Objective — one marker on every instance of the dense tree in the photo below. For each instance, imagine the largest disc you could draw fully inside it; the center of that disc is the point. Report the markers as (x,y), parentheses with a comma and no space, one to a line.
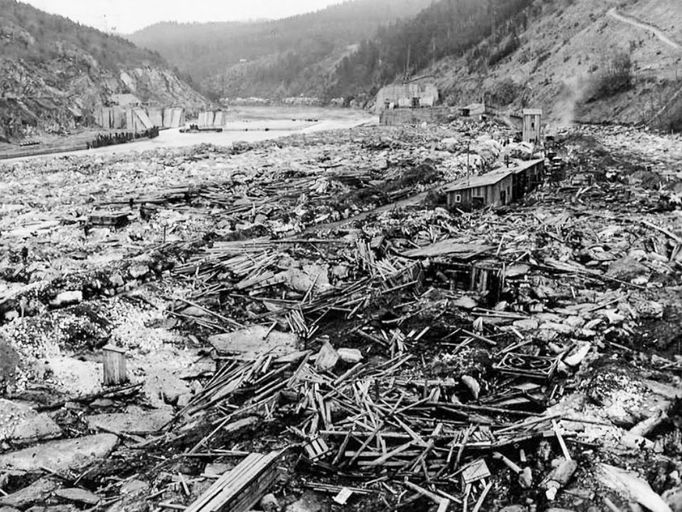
(446,27)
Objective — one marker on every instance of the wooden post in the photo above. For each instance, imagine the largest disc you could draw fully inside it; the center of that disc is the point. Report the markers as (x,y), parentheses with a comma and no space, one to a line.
(114,366)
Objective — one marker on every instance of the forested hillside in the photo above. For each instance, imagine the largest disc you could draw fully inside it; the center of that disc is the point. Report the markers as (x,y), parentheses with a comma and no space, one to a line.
(579,60)
(54,72)
(445,28)
(272,57)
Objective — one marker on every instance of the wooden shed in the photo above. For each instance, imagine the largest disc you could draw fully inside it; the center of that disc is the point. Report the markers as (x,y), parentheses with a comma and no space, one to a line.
(492,189)
(532,125)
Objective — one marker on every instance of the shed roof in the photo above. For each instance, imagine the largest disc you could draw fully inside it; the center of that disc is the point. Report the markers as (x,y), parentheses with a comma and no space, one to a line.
(524,165)
(491,178)
(532,112)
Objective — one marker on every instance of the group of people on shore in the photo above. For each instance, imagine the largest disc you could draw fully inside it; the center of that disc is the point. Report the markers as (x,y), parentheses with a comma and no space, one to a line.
(112,139)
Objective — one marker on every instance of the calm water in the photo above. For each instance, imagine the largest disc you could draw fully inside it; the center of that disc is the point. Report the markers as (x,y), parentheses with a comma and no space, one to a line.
(247,124)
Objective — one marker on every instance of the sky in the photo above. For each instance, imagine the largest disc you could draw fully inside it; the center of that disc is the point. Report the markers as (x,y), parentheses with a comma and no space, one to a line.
(126,16)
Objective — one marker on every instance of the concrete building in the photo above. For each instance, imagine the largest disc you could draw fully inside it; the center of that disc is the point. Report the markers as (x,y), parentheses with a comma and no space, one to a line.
(155,115)
(137,119)
(212,119)
(110,118)
(415,116)
(173,117)
(417,94)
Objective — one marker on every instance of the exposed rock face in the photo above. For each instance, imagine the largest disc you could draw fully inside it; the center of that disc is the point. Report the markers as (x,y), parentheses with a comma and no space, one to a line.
(82,86)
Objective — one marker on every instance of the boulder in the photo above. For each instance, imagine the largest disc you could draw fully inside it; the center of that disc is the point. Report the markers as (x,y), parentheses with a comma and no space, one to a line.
(67,299)
(22,425)
(631,486)
(327,358)
(136,421)
(138,270)
(350,355)
(310,277)
(53,508)
(518,270)
(78,496)
(626,398)
(37,492)
(465,303)
(309,502)
(60,456)
(473,385)
(673,498)
(163,388)
(627,269)
(528,324)
(135,494)
(249,343)
(269,503)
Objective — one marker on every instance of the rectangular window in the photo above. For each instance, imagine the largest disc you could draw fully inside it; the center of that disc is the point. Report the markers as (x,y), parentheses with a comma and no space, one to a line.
(458,198)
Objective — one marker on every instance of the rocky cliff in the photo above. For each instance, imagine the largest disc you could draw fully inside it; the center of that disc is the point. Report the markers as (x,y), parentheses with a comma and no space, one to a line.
(54,73)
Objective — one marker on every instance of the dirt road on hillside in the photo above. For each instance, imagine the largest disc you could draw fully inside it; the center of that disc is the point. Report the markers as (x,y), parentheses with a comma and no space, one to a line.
(651,28)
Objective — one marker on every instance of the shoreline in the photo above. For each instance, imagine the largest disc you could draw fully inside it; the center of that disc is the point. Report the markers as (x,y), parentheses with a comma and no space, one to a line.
(243,131)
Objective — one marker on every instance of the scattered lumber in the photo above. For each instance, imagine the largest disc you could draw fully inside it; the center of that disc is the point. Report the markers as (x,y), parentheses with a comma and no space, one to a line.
(241,488)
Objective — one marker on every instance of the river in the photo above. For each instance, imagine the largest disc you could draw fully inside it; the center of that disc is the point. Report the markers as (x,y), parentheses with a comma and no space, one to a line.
(246,124)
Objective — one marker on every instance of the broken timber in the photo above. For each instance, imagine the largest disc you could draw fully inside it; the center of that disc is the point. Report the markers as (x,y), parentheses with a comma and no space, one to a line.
(115,373)
(241,488)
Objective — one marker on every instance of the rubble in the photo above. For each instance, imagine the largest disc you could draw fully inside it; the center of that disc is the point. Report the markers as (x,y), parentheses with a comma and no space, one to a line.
(308,312)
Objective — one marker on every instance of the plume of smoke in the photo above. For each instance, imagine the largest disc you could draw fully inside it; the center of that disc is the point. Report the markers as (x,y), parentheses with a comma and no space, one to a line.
(570,96)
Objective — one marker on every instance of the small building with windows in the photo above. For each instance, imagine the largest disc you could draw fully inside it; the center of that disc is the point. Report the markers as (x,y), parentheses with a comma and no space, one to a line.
(491,189)
(496,188)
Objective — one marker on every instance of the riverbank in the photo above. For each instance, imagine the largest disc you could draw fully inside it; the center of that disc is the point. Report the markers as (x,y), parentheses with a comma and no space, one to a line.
(246,124)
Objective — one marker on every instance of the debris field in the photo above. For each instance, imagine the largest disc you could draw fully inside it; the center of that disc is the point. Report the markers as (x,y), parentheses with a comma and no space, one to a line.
(302,324)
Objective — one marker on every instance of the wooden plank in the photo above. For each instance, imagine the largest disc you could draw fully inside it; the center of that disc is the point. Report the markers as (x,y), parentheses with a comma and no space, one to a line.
(241,488)
(219,484)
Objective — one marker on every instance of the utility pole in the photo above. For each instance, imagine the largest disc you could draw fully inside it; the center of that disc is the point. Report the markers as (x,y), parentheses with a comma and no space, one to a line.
(407,62)
(468,136)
